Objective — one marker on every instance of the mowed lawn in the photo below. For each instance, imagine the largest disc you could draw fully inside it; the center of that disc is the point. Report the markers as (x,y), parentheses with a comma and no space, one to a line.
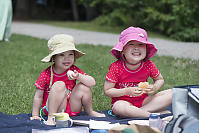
(20,67)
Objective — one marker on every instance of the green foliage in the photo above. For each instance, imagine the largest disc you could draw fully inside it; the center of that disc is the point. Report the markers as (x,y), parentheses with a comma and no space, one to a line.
(118,12)
(117,17)
(187,34)
(157,21)
(174,18)
(186,22)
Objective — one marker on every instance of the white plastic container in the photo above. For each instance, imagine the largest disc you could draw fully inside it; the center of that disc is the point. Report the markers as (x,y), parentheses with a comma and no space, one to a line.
(155,120)
(63,120)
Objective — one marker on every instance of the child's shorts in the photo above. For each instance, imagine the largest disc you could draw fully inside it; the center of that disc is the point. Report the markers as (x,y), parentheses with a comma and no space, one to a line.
(68,110)
(135,101)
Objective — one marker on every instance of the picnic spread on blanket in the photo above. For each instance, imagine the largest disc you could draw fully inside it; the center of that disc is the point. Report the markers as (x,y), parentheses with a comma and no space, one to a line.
(180,119)
(21,123)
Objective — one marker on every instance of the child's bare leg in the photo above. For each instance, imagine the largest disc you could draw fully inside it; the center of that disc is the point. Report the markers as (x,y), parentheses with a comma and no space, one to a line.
(56,100)
(158,102)
(82,95)
(126,109)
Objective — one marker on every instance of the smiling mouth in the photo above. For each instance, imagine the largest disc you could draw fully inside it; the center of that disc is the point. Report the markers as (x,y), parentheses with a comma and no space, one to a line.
(136,54)
(66,63)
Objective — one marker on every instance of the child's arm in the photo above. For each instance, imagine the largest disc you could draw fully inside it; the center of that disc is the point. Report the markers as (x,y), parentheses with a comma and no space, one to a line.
(110,91)
(37,104)
(85,79)
(158,83)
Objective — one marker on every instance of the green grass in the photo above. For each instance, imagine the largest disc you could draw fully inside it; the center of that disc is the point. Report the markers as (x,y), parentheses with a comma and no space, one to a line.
(20,67)
(90,26)
(93,26)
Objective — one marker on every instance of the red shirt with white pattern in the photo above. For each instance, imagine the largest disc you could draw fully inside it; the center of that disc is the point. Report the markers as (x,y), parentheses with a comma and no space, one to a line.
(124,77)
(43,82)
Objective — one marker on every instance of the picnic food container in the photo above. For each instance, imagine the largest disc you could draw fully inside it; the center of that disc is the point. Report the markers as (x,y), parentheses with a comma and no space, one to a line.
(63,120)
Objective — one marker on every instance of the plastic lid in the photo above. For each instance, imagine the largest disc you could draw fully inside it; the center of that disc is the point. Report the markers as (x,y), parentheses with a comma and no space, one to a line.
(154,116)
(61,116)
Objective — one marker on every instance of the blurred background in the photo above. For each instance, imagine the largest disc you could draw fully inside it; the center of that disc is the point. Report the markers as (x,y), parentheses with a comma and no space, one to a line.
(177,19)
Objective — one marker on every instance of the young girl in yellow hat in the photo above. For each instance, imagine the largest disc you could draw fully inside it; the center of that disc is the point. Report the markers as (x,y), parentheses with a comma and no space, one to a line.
(56,86)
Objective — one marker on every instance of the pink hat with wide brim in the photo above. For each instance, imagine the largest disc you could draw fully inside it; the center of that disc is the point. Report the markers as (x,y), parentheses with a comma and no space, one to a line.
(133,34)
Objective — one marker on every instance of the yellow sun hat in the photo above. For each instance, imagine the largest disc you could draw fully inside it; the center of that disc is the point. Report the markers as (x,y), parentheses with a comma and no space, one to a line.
(61,43)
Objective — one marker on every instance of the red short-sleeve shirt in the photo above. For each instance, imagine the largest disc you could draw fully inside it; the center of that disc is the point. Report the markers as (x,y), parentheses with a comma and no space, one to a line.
(123,77)
(43,82)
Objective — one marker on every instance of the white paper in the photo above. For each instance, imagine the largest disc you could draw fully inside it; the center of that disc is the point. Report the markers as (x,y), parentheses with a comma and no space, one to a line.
(101,125)
(81,122)
(139,122)
(96,124)
(63,130)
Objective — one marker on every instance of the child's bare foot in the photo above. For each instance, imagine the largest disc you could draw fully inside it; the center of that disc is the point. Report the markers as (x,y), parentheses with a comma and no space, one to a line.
(96,114)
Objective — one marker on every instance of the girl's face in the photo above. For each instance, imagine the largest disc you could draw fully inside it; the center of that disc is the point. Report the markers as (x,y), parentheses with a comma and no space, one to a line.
(64,61)
(134,52)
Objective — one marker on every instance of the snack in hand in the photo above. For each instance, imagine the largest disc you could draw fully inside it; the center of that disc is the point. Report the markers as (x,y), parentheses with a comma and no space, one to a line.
(143,85)
(69,74)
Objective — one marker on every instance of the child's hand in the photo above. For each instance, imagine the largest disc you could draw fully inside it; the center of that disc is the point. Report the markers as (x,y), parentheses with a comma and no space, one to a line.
(76,74)
(72,74)
(149,89)
(135,91)
(146,87)
(35,117)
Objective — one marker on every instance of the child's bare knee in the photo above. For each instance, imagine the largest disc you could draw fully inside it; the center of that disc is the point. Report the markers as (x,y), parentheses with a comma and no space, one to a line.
(165,93)
(83,87)
(168,93)
(118,108)
(59,86)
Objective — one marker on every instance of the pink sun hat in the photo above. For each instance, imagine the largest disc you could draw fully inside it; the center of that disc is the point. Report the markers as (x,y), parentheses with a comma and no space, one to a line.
(133,34)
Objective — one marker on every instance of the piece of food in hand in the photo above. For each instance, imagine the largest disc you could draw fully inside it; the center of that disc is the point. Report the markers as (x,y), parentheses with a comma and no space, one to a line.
(143,85)
(69,74)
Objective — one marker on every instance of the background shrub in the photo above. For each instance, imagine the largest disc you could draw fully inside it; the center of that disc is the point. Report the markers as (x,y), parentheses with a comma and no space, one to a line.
(177,19)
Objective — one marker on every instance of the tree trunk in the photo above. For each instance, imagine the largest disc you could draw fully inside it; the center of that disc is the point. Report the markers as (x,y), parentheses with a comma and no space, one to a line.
(75,10)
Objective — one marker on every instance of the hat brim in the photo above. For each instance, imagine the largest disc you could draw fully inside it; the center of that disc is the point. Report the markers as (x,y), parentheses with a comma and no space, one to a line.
(78,54)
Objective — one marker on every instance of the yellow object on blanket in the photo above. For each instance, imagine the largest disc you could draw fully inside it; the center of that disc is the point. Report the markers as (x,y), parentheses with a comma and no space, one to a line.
(61,116)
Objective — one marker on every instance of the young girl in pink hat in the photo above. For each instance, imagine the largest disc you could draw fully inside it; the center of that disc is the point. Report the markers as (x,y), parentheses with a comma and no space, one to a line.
(56,86)
(134,66)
